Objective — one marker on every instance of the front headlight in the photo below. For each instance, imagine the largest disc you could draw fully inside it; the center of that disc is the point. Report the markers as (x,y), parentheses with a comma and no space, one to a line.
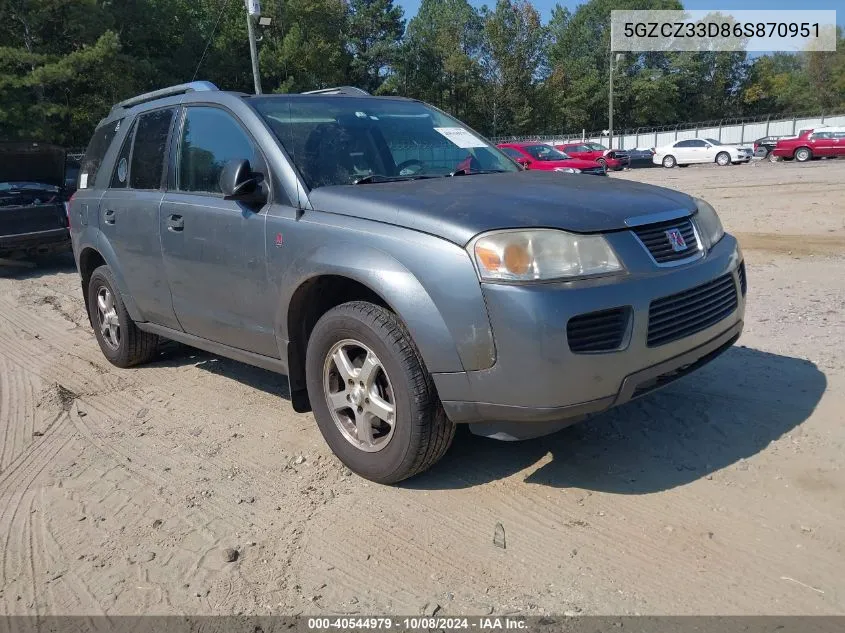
(541,254)
(709,224)
(568,170)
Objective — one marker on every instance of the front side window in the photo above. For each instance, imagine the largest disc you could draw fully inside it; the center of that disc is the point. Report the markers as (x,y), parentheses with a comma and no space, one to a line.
(211,137)
(597,147)
(151,134)
(344,140)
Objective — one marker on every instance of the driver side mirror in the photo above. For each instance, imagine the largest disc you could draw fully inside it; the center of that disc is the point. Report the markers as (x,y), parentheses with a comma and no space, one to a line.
(239,182)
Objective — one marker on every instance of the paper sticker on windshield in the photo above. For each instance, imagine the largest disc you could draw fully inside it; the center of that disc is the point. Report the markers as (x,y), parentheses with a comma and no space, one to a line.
(461,137)
(83,180)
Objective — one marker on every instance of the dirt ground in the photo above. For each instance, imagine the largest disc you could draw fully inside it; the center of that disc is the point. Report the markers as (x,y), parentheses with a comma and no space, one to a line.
(121,490)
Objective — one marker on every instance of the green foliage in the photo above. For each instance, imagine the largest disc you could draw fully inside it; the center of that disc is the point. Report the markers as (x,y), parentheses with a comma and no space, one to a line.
(63,63)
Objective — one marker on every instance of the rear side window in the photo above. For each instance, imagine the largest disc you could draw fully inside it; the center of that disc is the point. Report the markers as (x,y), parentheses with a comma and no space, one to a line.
(120,177)
(151,134)
(511,152)
(211,138)
(95,153)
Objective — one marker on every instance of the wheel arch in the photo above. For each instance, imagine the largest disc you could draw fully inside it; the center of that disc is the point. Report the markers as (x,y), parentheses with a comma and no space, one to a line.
(373,276)
(90,257)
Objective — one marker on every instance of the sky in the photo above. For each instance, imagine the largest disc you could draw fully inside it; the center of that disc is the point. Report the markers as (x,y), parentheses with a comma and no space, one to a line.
(545,6)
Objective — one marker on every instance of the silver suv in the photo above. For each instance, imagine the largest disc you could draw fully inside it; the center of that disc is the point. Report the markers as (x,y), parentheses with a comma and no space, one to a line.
(402,272)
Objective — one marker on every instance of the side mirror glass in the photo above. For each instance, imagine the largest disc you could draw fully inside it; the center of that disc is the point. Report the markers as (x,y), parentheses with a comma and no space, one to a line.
(239,182)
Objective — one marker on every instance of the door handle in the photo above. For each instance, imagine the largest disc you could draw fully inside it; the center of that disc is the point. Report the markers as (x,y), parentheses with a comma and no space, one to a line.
(175,223)
(109,216)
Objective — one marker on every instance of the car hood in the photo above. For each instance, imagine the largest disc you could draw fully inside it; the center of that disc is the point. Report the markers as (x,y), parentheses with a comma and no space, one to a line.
(461,207)
(32,162)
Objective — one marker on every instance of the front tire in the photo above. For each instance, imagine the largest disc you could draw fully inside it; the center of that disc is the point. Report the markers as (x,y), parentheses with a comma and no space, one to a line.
(603,163)
(121,342)
(374,401)
(669,161)
(723,159)
(803,154)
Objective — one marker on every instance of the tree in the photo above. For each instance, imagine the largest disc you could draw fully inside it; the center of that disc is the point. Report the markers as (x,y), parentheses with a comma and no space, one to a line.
(374,34)
(512,56)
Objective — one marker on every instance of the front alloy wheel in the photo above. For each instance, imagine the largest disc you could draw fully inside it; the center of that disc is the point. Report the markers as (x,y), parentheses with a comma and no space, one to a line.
(723,159)
(359,395)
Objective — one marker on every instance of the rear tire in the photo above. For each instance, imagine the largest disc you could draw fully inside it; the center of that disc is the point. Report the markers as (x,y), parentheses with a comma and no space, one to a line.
(803,154)
(121,342)
(389,447)
(772,158)
(669,161)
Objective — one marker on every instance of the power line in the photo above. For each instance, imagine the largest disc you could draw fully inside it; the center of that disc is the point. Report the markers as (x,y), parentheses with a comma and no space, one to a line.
(223,6)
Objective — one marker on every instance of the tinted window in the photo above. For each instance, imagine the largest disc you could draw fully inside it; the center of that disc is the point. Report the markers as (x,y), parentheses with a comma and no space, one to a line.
(147,165)
(210,138)
(120,177)
(821,135)
(544,152)
(512,153)
(684,144)
(95,153)
(839,135)
(697,144)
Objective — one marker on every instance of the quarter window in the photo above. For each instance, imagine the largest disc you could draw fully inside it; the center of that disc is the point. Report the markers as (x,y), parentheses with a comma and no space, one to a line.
(210,138)
(120,177)
(147,165)
(96,151)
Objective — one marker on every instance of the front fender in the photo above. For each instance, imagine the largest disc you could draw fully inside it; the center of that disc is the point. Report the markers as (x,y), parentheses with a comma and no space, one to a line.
(435,292)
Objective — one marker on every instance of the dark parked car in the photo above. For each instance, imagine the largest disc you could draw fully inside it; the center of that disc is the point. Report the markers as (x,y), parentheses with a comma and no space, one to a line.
(33,213)
(403,273)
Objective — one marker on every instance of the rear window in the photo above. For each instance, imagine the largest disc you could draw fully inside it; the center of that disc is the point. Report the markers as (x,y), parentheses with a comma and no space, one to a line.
(95,153)
(147,167)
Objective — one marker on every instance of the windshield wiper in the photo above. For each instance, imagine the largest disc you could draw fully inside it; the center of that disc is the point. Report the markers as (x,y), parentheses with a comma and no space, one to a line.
(471,172)
(371,178)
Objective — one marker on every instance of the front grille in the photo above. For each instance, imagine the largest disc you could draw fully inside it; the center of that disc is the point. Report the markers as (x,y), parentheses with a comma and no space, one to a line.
(656,240)
(743,284)
(601,331)
(685,313)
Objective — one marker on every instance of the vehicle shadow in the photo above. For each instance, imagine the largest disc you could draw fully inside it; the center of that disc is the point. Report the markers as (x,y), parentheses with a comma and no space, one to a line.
(727,411)
(37,267)
(178,355)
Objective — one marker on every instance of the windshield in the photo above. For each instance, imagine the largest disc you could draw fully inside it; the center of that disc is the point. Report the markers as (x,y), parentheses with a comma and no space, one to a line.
(336,140)
(544,152)
(712,141)
(596,147)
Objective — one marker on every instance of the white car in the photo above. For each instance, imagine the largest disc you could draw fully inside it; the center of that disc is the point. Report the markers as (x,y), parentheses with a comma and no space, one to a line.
(700,150)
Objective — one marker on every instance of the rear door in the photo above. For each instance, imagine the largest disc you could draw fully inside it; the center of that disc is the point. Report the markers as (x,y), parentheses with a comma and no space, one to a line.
(129,210)
(683,152)
(214,249)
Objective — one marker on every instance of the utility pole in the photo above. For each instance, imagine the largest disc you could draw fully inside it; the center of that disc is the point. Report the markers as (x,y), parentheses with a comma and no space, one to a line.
(253,10)
(613,58)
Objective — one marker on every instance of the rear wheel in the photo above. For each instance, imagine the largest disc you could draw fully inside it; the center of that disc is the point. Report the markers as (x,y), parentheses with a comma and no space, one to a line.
(121,342)
(373,399)
(772,158)
(803,154)
(669,161)
(723,159)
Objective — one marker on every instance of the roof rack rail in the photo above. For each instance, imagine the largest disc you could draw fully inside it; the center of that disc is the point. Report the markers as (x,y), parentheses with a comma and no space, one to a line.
(194,86)
(339,90)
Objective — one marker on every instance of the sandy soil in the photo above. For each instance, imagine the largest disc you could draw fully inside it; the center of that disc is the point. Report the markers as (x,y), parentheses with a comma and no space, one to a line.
(121,490)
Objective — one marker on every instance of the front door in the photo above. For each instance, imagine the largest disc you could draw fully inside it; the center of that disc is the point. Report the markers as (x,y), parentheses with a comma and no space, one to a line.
(214,249)
(128,215)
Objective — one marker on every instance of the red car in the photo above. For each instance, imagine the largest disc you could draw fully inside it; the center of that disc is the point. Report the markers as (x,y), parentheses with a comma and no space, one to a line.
(547,158)
(614,159)
(826,141)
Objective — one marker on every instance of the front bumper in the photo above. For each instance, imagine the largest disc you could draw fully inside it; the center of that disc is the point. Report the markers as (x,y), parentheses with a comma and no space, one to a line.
(36,243)
(537,378)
